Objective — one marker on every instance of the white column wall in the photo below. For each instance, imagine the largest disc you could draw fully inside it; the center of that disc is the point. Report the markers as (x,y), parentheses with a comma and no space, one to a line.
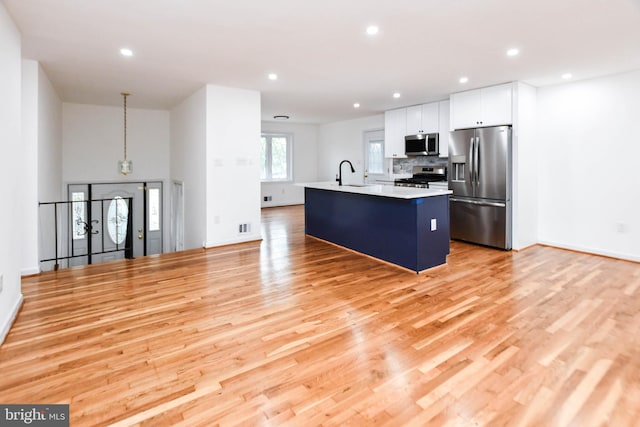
(525,167)
(305,164)
(49,166)
(42,142)
(50,186)
(11,172)
(232,165)
(588,174)
(29,186)
(188,142)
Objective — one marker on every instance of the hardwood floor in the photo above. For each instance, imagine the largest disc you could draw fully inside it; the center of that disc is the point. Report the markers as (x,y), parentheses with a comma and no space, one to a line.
(294,331)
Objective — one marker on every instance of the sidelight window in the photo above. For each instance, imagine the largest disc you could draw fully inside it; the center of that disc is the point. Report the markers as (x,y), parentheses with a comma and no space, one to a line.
(78,207)
(154,209)
(376,156)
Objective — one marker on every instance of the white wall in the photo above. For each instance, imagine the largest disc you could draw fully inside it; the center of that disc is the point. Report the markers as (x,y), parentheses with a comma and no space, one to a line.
(344,141)
(49,141)
(11,171)
(305,164)
(42,142)
(49,166)
(525,167)
(93,142)
(188,142)
(29,188)
(233,165)
(588,176)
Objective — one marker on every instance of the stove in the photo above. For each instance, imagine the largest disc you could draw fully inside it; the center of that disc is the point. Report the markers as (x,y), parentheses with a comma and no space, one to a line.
(422,176)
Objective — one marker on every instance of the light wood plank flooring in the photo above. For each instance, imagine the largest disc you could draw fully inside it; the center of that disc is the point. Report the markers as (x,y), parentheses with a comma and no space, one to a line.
(295,331)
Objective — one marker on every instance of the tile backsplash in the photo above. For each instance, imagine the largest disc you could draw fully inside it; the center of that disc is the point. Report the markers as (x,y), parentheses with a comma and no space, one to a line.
(406,165)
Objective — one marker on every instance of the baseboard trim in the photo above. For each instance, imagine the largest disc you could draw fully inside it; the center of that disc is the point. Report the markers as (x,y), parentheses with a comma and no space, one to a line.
(250,238)
(4,331)
(29,271)
(281,205)
(590,251)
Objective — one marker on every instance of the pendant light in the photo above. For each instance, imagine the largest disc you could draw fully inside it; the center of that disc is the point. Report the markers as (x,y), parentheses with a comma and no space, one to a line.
(125,166)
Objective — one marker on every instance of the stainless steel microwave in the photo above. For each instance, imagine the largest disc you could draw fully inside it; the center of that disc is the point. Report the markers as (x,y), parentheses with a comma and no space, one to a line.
(422,144)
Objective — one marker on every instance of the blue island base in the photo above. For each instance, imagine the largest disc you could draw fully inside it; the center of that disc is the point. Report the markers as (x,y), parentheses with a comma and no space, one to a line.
(396,230)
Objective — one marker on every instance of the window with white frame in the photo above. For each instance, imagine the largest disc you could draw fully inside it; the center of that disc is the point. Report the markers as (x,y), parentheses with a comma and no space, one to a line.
(376,156)
(374,152)
(276,157)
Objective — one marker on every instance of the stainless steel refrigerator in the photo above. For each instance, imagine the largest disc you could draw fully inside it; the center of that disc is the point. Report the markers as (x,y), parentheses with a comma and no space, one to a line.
(480,178)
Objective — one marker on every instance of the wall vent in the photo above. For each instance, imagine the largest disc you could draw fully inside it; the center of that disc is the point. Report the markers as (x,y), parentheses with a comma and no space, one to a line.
(244,228)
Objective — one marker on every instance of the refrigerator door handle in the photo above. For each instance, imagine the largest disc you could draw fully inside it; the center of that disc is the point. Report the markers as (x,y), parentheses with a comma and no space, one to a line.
(478,202)
(471,161)
(476,159)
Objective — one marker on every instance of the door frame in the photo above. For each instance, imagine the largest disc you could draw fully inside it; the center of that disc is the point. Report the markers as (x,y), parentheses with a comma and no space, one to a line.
(176,228)
(143,183)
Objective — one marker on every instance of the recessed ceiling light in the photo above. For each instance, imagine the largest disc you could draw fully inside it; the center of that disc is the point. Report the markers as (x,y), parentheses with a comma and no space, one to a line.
(513,52)
(126,52)
(281,117)
(356,105)
(567,76)
(372,30)
(396,95)
(273,76)
(464,79)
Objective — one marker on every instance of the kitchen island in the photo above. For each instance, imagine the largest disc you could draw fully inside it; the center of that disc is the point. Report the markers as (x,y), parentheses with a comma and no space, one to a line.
(405,226)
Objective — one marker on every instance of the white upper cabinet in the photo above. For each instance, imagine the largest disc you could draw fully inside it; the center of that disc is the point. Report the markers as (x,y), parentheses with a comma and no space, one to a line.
(395,129)
(497,105)
(423,118)
(444,134)
(430,117)
(489,106)
(414,119)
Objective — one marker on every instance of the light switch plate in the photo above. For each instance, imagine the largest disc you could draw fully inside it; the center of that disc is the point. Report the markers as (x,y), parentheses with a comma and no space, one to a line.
(434,224)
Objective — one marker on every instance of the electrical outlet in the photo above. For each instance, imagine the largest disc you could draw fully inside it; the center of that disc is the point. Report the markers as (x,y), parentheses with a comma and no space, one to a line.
(1,282)
(621,227)
(434,224)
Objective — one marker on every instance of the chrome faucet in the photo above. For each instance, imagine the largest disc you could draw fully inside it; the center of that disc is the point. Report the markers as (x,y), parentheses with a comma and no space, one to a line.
(340,170)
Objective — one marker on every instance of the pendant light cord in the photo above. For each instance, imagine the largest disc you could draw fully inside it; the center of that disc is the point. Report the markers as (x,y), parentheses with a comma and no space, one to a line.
(124,95)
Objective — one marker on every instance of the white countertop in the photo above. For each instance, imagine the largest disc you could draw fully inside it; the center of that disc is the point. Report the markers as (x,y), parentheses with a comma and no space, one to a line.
(377,190)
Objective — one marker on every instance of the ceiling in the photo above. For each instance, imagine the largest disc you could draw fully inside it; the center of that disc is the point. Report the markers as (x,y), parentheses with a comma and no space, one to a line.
(324,60)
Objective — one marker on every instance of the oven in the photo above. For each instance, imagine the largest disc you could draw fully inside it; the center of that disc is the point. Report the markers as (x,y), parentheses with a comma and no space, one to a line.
(425,177)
